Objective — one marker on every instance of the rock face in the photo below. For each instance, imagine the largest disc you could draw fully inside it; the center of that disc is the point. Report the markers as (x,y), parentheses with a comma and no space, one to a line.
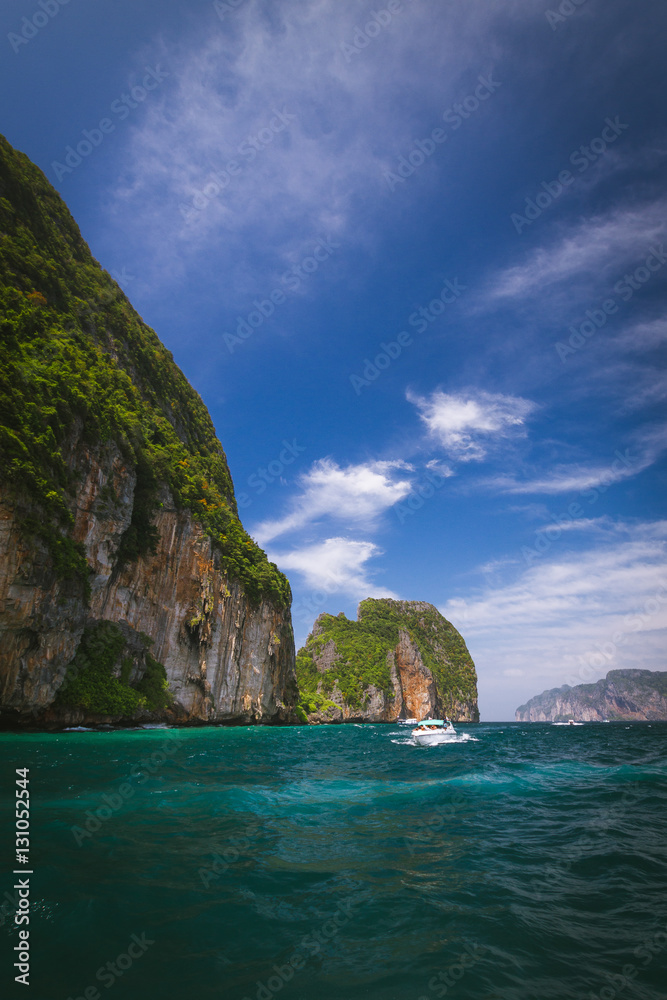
(400,659)
(624,695)
(225,658)
(117,504)
(416,691)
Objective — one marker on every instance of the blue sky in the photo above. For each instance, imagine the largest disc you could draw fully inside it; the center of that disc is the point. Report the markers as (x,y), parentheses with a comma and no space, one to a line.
(413,255)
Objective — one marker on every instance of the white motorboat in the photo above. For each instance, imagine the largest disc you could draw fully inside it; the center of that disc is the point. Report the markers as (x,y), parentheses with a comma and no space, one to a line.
(430,732)
(408,722)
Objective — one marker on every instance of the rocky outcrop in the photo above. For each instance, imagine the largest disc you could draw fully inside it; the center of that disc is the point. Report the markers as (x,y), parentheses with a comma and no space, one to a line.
(400,659)
(226,659)
(117,505)
(627,695)
(416,691)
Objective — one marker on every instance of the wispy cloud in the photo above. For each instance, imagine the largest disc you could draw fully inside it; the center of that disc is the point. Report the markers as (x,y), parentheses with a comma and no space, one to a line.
(354,494)
(208,141)
(642,336)
(647,445)
(601,582)
(573,615)
(600,246)
(603,524)
(568,478)
(468,424)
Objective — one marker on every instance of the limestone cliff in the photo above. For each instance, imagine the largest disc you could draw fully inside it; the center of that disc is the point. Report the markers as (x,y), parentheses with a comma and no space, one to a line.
(400,659)
(627,695)
(116,506)
(226,659)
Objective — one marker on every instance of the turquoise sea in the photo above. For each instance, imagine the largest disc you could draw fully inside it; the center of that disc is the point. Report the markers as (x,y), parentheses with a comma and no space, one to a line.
(524,862)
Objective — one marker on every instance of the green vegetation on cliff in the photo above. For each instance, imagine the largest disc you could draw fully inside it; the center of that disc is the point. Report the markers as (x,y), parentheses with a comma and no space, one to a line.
(79,367)
(358,654)
(91,684)
(361,661)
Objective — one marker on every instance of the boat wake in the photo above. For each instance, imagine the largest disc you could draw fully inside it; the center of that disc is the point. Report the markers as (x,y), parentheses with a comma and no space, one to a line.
(458,738)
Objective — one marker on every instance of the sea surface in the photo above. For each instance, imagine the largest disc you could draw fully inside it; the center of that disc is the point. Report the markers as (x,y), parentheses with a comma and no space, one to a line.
(522,862)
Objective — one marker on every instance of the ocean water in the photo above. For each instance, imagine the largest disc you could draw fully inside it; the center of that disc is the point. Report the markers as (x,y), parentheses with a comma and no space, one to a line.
(522,862)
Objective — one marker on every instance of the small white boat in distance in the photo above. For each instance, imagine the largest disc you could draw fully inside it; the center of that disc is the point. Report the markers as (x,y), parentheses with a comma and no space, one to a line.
(408,722)
(430,732)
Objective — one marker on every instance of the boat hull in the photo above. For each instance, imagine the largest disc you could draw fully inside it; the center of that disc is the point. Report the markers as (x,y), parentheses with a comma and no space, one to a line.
(434,738)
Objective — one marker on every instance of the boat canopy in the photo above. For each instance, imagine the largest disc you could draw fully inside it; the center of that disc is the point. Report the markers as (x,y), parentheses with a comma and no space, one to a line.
(433,722)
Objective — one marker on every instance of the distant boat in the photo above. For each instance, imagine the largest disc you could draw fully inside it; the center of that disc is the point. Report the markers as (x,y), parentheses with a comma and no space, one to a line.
(408,722)
(430,732)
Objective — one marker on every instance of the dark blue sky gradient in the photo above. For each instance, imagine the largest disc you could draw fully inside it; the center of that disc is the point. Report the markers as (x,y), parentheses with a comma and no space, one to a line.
(520,434)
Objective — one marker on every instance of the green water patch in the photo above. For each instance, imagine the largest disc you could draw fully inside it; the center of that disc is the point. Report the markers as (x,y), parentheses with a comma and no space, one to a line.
(237,847)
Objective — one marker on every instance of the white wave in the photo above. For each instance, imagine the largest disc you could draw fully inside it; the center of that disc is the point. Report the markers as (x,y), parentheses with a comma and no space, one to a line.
(458,738)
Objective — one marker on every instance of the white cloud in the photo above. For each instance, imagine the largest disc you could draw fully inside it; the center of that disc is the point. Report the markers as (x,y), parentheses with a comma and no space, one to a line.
(440,468)
(335,566)
(571,616)
(602,246)
(354,494)
(466,425)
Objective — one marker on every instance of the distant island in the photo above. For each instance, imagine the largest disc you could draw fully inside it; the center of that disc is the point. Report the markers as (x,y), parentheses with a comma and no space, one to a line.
(400,659)
(623,695)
